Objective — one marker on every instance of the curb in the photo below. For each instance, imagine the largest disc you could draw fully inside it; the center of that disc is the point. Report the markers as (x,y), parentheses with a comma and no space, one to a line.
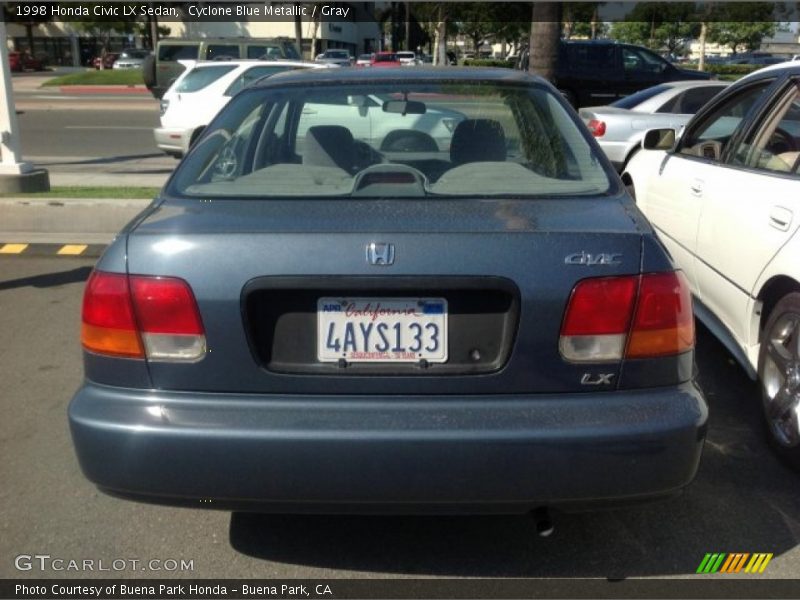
(60,250)
(103,89)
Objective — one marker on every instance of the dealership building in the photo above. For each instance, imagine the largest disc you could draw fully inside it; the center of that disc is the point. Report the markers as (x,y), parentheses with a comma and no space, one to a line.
(76,44)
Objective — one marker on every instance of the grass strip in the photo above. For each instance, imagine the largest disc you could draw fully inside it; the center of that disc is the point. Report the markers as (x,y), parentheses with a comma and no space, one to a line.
(122,193)
(104,77)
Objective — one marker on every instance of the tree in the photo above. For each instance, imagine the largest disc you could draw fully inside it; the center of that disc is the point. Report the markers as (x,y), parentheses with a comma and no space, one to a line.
(298,30)
(661,26)
(580,19)
(478,20)
(741,25)
(545,39)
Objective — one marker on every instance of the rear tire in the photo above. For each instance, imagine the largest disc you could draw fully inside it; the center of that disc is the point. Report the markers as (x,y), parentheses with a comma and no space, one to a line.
(149,71)
(779,378)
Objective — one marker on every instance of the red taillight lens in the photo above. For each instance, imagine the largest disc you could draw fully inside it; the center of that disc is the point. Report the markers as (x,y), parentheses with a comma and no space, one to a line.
(664,323)
(598,318)
(141,316)
(600,306)
(632,316)
(597,128)
(108,324)
(165,305)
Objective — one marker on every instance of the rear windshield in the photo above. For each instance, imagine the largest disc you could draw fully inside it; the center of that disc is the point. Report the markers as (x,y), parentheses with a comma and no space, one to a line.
(201,77)
(636,99)
(336,54)
(388,140)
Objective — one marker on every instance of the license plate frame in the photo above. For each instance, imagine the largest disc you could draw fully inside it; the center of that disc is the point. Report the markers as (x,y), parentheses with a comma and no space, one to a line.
(414,328)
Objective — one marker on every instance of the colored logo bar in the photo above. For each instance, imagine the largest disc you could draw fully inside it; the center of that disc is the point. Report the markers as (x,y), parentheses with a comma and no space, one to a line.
(735,562)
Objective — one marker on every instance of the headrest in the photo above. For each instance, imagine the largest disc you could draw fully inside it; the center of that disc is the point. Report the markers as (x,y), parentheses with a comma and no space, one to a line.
(329,146)
(478,140)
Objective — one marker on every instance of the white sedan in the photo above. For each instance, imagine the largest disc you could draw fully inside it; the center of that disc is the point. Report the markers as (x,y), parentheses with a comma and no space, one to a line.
(725,199)
(203,89)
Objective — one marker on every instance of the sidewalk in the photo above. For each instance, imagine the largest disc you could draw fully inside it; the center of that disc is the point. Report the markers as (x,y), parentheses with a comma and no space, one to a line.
(36,223)
(33,82)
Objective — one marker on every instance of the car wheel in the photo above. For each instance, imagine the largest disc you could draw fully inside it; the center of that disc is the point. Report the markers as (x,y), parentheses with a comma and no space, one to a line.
(779,374)
(149,71)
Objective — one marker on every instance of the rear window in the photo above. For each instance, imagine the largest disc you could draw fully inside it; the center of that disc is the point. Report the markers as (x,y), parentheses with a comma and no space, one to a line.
(389,140)
(251,75)
(636,99)
(386,58)
(201,77)
(173,52)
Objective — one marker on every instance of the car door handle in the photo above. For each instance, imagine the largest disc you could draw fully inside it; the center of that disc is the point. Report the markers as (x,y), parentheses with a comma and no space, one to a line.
(697,187)
(780,218)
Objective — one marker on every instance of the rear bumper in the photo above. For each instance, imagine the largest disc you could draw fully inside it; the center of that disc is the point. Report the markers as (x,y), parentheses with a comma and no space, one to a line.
(172,141)
(388,454)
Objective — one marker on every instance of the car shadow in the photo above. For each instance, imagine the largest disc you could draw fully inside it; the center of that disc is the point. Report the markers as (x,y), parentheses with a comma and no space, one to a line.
(47,280)
(743,500)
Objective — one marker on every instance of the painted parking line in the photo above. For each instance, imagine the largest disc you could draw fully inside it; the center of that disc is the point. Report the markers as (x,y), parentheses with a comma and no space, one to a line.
(65,250)
(72,249)
(13,248)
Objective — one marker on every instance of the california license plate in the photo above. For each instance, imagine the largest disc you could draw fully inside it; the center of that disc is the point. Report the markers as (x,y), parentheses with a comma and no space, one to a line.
(382,329)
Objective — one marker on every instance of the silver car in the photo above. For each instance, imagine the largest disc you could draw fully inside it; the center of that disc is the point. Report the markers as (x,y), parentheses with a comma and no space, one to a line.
(132,58)
(620,127)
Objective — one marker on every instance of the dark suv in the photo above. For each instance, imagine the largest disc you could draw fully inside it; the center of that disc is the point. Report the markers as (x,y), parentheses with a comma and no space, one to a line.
(596,72)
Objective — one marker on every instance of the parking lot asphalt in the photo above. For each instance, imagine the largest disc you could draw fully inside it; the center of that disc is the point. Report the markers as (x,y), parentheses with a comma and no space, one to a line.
(89,140)
(743,499)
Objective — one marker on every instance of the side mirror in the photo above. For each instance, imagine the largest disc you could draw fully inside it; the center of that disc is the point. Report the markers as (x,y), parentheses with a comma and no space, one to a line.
(659,139)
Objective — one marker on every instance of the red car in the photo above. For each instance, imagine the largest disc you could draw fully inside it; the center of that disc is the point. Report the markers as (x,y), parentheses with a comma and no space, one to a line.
(385,59)
(108,61)
(22,61)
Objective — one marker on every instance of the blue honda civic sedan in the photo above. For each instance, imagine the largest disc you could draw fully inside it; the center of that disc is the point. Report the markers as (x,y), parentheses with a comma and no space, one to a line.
(462,312)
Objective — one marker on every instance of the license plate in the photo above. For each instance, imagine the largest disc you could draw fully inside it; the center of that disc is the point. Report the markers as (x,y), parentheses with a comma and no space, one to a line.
(393,330)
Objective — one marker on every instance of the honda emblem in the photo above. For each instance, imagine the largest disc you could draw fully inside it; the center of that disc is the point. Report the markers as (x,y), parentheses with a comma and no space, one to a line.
(380,254)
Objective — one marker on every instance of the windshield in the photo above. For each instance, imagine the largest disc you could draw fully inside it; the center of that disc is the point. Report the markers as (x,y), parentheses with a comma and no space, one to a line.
(386,58)
(385,140)
(336,54)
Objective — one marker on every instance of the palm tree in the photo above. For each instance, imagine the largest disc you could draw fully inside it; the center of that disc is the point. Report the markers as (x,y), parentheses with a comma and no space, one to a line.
(545,36)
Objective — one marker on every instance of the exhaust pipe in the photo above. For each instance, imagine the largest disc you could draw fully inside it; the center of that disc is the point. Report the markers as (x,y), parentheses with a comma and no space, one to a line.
(544,523)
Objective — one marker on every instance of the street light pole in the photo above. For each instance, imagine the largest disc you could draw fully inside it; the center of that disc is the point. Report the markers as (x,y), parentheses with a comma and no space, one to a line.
(15,175)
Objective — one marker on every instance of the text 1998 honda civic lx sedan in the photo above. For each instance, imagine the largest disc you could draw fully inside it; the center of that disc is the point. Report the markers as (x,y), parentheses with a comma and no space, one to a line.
(307,321)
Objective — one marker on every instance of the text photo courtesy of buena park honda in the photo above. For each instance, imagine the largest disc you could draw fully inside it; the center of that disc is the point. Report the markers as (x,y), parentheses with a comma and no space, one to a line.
(399,299)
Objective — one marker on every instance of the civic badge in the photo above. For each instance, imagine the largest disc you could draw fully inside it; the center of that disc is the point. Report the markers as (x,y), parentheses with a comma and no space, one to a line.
(380,254)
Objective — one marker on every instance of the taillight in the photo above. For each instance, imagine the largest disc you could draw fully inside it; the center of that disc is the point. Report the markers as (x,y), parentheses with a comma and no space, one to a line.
(664,323)
(141,316)
(597,128)
(633,316)
(598,318)
(108,325)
